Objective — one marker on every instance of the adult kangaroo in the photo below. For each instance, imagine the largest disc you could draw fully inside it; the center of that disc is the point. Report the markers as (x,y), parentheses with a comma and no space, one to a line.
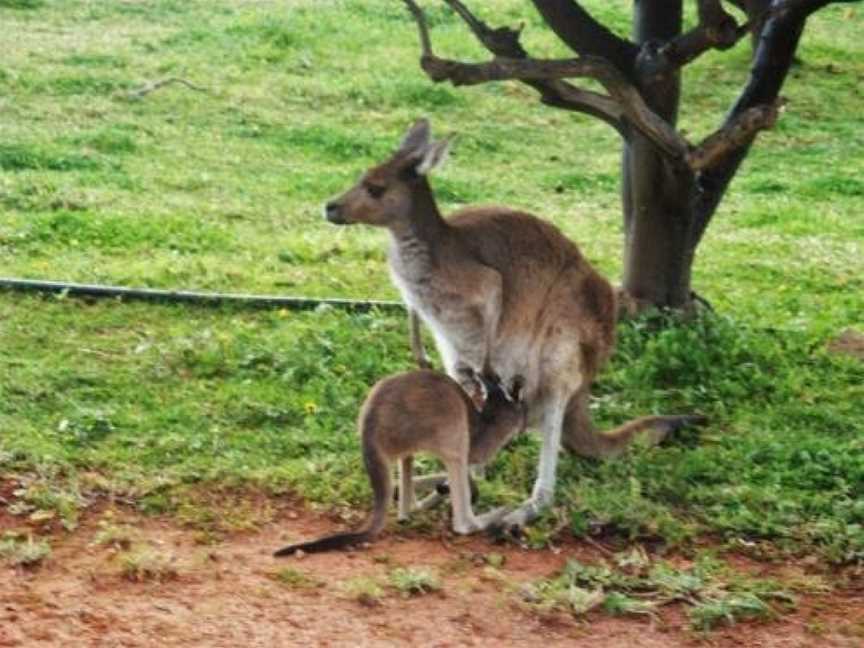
(499,283)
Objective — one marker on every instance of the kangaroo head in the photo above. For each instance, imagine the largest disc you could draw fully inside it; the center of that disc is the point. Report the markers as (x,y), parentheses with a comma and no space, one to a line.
(504,406)
(389,192)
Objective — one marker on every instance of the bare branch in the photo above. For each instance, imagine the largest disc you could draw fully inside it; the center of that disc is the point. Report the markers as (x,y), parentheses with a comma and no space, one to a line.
(711,12)
(501,42)
(778,41)
(717,29)
(504,42)
(624,102)
(420,19)
(629,100)
(147,88)
(736,134)
(799,9)
(585,35)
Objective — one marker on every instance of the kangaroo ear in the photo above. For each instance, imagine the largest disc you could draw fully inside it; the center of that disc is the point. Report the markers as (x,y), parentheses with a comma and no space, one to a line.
(416,140)
(434,156)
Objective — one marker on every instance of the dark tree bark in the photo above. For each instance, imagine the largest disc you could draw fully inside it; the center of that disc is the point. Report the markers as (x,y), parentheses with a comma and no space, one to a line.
(670,187)
(655,194)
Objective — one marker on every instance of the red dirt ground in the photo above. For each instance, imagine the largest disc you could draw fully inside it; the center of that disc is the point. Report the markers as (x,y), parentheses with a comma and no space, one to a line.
(224,594)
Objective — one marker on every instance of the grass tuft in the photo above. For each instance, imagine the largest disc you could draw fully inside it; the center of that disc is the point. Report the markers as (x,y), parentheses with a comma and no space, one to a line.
(142,563)
(20,157)
(712,593)
(24,553)
(414,581)
(295,579)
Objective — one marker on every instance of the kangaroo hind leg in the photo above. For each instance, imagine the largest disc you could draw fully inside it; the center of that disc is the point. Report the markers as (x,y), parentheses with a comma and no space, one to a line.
(543,493)
(464,519)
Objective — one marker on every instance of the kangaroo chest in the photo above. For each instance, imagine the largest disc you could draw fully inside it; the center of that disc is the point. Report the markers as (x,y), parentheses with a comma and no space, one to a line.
(424,284)
(432,290)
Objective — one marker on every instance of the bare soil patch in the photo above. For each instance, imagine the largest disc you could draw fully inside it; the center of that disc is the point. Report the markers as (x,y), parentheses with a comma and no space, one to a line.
(229,593)
(850,342)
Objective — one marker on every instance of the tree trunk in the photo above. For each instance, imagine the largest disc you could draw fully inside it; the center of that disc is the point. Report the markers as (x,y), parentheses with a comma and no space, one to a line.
(657,198)
(670,189)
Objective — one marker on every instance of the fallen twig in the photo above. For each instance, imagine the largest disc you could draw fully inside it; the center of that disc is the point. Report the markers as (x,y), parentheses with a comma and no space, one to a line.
(147,88)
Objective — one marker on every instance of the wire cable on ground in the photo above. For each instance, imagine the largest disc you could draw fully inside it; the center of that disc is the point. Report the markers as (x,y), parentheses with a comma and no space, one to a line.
(194,297)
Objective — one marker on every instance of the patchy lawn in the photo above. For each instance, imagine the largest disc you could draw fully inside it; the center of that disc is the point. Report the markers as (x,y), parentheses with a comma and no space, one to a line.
(151,406)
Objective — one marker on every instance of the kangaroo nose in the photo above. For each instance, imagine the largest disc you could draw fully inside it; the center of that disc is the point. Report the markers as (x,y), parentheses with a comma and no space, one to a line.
(333,213)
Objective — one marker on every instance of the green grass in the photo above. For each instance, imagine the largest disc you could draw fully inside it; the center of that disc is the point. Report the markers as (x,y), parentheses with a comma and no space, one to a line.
(632,585)
(143,563)
(295,579)
(222,190)
(414,581)
(23,553)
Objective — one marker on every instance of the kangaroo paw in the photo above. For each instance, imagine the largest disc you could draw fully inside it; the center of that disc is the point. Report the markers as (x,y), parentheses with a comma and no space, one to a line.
(524,515)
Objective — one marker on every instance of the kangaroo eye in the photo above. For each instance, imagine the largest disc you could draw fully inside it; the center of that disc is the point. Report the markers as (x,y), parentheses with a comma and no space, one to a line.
(376,191)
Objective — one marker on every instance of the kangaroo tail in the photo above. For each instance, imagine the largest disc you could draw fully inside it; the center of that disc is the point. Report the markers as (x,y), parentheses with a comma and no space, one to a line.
(379,477)
(582,437)
(327,543)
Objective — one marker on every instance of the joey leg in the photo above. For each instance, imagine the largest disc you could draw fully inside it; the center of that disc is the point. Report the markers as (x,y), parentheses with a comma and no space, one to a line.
(432,500)
(464,521)
(429,481)
(435,481)
(407,499)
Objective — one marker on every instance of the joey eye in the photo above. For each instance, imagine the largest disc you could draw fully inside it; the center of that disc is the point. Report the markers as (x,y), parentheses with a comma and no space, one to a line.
(376,191)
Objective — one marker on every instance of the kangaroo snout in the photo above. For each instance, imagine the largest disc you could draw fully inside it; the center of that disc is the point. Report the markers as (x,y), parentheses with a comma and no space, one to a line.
(333,213)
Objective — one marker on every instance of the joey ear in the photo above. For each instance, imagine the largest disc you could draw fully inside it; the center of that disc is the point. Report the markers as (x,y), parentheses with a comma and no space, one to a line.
(416,139)
(433,156)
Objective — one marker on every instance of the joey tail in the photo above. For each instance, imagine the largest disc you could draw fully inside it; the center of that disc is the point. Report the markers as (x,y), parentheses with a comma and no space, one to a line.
(379,477)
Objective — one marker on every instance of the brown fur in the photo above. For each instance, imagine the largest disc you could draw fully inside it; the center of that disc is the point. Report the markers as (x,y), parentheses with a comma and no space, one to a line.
(427,411)
(498,285)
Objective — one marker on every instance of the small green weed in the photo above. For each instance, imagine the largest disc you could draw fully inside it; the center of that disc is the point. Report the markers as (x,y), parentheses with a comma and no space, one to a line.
(114,535)
(363,589)
(144,563)
(708,614)
(110,141)
(634,585)
(414,581)
(22,157)
(23,553)
(218,513)
(45,495)
(294,579)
